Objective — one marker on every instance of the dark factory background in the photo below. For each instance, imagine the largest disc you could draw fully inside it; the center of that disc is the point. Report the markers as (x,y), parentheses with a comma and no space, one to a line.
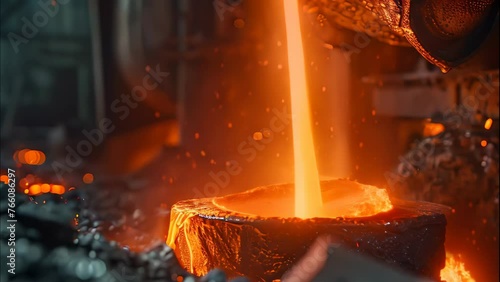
(112,111)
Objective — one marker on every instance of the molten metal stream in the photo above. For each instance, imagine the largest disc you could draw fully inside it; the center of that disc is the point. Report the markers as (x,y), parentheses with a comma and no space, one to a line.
(308,200)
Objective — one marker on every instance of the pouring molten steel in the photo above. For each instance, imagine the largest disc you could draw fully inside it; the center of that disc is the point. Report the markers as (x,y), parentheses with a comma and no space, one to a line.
(261,233)
(355,200)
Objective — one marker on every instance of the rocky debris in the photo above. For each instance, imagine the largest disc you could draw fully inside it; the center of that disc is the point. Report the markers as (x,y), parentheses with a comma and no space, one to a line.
(458,167)
(61,238)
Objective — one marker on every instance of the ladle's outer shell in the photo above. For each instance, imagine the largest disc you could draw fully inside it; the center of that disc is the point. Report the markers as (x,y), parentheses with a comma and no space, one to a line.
(409,237)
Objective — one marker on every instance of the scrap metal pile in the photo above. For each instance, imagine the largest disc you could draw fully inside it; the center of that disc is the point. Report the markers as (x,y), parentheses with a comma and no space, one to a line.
(458,167)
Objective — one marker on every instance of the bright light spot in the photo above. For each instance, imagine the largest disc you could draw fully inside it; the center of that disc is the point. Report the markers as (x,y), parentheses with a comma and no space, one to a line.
(433,129)
(455,271)
(35,189)
(45,188)
(4,178)
(484,143)
(57,189)
(257,136)
(488,123)
(308,199)
(29,157)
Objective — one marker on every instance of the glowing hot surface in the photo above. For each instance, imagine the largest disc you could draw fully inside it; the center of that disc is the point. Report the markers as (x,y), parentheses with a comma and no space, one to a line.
(342,198)
(455,270)
(307,188)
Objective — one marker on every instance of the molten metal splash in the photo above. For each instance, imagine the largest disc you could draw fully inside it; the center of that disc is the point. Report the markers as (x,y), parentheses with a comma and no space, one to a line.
(361,201)
(455,271)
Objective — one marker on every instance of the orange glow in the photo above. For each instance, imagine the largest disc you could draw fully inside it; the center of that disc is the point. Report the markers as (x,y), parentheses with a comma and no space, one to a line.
(18,155)
(88,178)
(4,178)
(29,157)
(45,188)
(42,158)
(484,143)
(257,136)
(35,189)
(239,23)
(433,129)
(454,270)
(57,189)
(342,198)
(488,123)
(308,199)
(24,183)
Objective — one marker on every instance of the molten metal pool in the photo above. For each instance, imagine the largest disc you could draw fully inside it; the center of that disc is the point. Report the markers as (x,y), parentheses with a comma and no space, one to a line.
(255,234)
